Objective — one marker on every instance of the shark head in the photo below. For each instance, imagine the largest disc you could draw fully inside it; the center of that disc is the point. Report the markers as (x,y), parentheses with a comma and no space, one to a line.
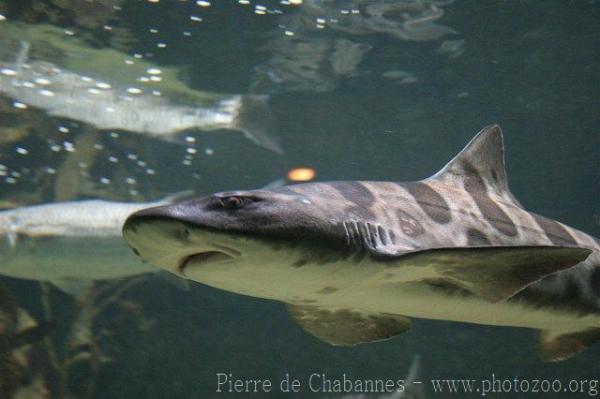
(236,240)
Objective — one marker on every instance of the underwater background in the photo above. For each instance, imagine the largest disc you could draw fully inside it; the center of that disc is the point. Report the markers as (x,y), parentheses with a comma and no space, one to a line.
(356,90)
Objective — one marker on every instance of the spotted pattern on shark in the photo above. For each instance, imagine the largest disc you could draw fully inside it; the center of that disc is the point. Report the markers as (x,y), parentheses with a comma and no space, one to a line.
(476,238)
(555,231)
(489,208)
(361,198)
(432,203)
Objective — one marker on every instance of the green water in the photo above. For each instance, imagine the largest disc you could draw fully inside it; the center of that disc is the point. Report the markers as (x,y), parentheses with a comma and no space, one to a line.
(530,66)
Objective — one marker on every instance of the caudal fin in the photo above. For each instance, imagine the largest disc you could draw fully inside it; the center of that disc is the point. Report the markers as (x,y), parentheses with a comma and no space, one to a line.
(255,120)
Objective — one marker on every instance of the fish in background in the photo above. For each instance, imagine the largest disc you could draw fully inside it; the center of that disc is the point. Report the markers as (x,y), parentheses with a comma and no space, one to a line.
(70,244)
(354,260)
(325,41)
(110,105)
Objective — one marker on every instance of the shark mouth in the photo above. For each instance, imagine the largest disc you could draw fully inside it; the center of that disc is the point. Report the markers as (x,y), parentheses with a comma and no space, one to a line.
(206,257)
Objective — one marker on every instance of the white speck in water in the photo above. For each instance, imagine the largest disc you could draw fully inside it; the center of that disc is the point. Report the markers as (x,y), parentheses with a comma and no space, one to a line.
(29,85)
(10,180)
(104,180)
(154,71)
(22,151)
(47,93)
(98,146)
(108,27)
(321,20)
(196,175)
(132,157)
(152,30)
(82,165)
(8,72)
(142,164)
(129,62)
(187,33)
(195,18)
(63,129)
(209,151)
(42,81)
(244,2)
(138,56)
(19,105)
(2,17)
(133,90)
(191,150)
(109,109)
(51,171)
(190,139)
(187,162)
(93,91)
(69,33)
(133,192)
(55,148)
(305,201)
(14,173)
(161,45)
(155,78)
(103,85)
(144,79)
(150,171)
(3,167)
(203,3)
(156,93)
(130,180)
(87,79)
(289,33)
(113,159)
(68,146)
(2,173)
(114,135)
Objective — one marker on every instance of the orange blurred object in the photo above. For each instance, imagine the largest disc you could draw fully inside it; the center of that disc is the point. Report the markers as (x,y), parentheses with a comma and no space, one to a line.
(301,174)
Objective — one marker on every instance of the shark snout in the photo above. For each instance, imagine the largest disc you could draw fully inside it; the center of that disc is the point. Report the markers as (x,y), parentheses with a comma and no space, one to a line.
(163,237)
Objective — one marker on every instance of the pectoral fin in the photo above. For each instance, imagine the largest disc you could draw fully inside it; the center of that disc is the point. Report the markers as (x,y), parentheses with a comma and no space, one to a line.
(73,287)
(492,273)
(345,327)
(555,348)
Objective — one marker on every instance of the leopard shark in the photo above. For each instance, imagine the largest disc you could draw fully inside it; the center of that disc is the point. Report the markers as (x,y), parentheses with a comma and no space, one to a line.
(355,260)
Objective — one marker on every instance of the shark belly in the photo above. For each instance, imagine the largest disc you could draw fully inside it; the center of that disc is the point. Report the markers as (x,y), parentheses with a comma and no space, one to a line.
(370,287)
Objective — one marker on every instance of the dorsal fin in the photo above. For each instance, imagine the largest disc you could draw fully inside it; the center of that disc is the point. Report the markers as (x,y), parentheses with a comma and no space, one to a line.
(480,165)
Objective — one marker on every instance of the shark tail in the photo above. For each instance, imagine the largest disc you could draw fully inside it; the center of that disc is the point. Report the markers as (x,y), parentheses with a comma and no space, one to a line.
(255,120)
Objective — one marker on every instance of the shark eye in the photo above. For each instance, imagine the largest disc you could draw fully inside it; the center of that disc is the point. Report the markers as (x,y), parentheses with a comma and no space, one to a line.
(233,202)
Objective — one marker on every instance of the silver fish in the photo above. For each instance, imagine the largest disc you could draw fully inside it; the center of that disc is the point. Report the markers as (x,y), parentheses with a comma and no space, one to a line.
(354,260)
(70,244)
(109,105)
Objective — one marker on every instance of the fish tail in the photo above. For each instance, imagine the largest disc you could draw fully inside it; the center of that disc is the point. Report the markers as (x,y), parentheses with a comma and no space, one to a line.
(255,120)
